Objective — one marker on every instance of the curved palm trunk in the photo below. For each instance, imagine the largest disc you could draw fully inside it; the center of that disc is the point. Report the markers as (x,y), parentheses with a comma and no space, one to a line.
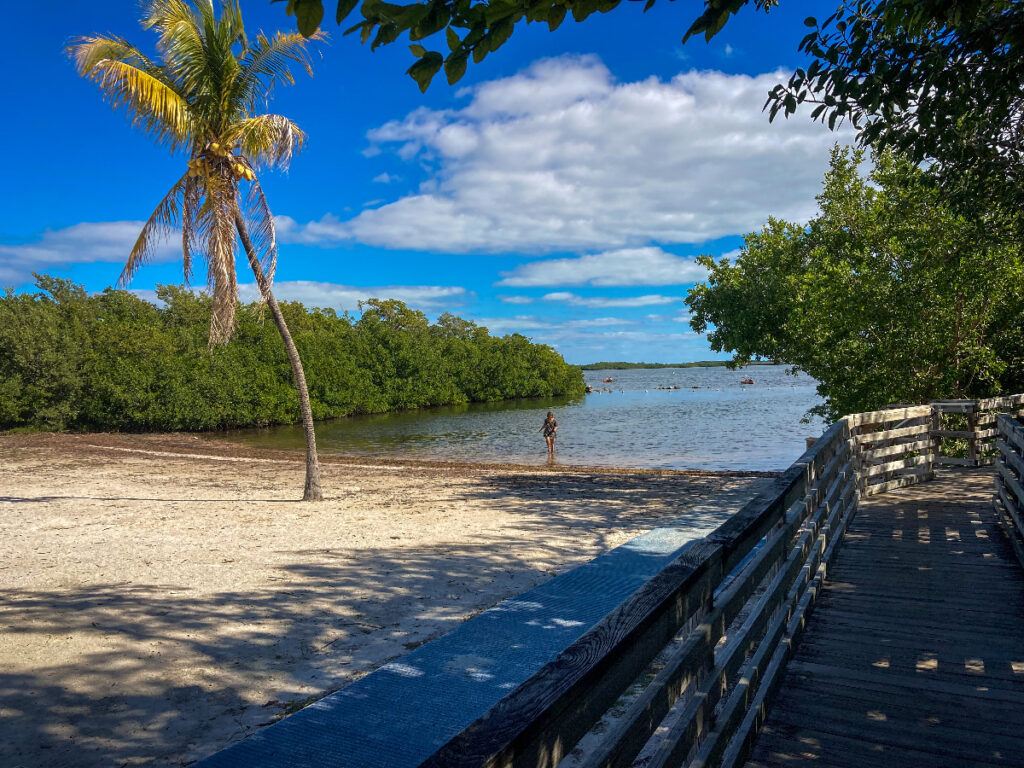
(312,491)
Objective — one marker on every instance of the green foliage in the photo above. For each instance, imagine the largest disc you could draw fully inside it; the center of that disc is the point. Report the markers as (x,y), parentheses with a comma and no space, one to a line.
(112,361)
(935,80)
(887,296)
(475,28)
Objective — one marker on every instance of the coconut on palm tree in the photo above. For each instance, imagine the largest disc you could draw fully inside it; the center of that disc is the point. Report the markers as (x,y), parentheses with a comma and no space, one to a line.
(200,96)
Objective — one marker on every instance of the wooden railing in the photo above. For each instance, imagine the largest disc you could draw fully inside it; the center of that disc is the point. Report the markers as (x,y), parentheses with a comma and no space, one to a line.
(972,435)
(1009,479)
(685,679)
(894,447)
(679,673)
(705,681)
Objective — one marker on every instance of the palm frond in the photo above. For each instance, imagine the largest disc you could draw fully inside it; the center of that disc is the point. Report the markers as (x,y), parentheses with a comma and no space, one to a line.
(269,139)
(191,223)
(140,87)
(180,41)
(89,51)
(268,62)
(157,228)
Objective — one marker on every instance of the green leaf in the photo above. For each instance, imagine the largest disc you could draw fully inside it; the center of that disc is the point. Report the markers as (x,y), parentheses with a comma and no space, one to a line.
(309,14)
(810,21)
(418,51)
(423,71)
(345,7)
(455,68)
(452,38)
(501,32)
(555,17)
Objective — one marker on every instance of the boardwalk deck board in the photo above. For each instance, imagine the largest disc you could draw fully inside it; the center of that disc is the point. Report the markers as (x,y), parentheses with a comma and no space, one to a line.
(914,655)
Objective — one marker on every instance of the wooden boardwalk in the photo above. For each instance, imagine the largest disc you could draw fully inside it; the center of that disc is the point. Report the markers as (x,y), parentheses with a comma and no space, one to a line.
(914,654)
(866,608)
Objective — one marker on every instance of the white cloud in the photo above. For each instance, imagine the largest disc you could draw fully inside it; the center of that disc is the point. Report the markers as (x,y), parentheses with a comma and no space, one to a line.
(109,241)
(347,297)
(516,299)
(648,300)
(552,330)
(386,178)
(563,157)
(625,266)
(598,322)
(329,230)
(516,324)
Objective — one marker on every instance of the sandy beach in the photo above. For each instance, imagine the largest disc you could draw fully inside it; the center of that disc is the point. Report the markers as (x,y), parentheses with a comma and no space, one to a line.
(162,596)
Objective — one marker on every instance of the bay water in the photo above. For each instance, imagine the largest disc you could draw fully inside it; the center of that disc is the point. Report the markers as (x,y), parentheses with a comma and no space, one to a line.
(665,418)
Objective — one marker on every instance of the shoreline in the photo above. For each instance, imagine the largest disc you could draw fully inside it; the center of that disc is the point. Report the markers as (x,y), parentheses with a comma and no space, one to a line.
(204,445)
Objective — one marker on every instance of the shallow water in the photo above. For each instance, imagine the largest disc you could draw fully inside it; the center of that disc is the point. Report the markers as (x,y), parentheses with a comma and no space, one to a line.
(711,422)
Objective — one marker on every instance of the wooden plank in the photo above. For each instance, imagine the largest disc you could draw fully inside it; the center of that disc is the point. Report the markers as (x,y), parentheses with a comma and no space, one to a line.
(733,747)
(1013,433)
(1012,483)
(955,406)
(899,449)
(985,748)
(677,742)
(953,461)
(1011,457)
(1006,401)
(892,414)
(890,434)
(887,599)
(904,463)
(786,747)
(1000,698)
(900,482)
(633,725)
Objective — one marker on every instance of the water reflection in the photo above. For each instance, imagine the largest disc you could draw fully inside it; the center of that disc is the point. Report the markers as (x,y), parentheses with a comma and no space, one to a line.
(696,418)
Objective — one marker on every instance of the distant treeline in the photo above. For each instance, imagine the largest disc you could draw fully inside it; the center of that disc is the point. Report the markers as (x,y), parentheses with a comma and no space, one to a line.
(620,366)
(112,361)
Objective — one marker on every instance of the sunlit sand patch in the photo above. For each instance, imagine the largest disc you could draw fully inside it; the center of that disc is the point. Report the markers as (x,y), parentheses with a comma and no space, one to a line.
(975,666)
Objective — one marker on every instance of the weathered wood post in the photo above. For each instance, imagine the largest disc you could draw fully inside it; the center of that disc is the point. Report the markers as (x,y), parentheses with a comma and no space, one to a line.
(934,442)
(973,455)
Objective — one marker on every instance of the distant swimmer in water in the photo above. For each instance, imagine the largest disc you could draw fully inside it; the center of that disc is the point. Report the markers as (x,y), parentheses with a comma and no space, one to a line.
(550,429)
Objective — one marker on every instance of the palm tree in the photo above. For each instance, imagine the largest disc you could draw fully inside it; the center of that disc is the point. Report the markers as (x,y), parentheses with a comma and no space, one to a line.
(200,96)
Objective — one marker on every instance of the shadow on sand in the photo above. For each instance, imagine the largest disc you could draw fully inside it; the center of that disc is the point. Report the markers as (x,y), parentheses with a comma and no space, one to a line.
(170,676)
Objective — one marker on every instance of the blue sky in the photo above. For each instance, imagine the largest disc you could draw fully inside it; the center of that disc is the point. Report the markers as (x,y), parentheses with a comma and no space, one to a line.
(560,190)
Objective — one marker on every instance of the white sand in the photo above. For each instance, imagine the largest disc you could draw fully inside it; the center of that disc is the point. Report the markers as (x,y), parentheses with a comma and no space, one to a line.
(156,605)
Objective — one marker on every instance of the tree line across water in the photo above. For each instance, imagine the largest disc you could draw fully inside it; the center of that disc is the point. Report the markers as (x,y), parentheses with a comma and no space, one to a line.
(112,361)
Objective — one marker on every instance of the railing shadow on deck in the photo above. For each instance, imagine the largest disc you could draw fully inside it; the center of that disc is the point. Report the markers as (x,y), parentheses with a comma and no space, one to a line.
(648,655)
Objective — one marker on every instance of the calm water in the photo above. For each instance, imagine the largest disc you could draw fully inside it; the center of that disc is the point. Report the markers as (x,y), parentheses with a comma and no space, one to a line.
(710,422)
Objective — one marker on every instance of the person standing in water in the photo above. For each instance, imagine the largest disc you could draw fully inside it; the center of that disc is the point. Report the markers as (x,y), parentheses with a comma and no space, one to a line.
(550,429)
